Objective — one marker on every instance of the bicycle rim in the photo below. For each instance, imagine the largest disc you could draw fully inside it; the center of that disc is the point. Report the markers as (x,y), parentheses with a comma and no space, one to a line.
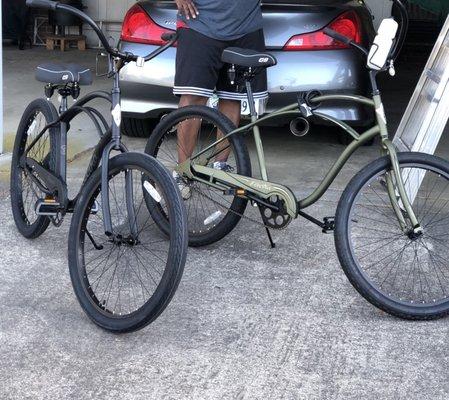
(410,270)
(206,206)
(129,272)
(27,190)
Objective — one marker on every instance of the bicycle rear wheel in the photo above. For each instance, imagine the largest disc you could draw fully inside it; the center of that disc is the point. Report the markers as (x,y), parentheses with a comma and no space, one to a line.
(211,213)
(124,281)
(24,191)
(404,274)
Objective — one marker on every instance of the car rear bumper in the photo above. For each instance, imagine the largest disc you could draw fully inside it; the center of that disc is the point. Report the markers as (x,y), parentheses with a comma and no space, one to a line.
(147,91)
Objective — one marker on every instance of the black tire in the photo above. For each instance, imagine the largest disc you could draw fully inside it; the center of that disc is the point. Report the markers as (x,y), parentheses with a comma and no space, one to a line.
(40,113)
(361,264)
(138,128)
(235,207)
(99,310)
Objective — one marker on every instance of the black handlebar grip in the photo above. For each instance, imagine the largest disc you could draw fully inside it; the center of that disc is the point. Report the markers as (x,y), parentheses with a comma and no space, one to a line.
(48,4)
(337,36)
(168,36)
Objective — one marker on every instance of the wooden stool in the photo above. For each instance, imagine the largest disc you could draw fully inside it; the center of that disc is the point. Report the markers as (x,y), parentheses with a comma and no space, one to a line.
(64,41)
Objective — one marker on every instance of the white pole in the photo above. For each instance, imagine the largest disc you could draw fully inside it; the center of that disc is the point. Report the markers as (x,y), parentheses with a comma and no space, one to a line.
(1,80)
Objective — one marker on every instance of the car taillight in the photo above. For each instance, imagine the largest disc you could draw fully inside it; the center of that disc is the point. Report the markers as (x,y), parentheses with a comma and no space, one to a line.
(138,27)
(347,24)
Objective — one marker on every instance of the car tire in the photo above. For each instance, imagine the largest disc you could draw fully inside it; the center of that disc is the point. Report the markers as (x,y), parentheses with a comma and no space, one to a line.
(138,128)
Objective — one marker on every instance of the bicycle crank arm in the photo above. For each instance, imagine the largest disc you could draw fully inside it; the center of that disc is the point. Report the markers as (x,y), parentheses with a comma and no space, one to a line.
(256,187)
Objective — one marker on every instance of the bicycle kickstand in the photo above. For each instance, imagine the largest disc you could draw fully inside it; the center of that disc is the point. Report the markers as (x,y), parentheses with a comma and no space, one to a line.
(270,238)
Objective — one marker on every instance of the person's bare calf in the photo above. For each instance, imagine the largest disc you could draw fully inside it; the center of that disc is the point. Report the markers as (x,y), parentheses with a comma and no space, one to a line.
(230,108)
(188,130)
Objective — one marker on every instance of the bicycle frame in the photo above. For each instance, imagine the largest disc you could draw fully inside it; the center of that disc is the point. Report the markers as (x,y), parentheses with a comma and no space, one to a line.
(254,188)
(116,60)
(67,114)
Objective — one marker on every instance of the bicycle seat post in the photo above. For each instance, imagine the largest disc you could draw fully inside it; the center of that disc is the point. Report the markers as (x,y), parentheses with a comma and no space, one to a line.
(256,130)
(252,105)
(63,107)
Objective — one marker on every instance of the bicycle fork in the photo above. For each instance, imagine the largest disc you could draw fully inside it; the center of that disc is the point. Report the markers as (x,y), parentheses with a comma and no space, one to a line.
(116,144)
(398,183)
(395,182)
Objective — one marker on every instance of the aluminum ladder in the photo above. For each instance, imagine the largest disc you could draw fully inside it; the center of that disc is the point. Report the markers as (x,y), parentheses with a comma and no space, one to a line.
(427,114)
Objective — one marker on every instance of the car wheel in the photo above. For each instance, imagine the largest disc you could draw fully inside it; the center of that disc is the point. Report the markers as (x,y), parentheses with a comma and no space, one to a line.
(139,128)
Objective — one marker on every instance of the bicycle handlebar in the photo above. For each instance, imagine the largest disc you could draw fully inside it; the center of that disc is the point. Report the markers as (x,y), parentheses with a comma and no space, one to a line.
(344,39)
(50,5)
(54,5)
(399,42)
(337,36)
(405,20)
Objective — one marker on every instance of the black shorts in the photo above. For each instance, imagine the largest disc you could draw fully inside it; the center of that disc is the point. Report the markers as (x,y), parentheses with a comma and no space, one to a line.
(200,71)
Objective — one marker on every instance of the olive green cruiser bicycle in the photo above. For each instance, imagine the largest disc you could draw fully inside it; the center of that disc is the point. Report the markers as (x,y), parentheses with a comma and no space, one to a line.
(124,270)
(390,227)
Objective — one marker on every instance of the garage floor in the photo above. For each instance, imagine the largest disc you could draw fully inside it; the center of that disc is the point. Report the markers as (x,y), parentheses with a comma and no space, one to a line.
(247,322)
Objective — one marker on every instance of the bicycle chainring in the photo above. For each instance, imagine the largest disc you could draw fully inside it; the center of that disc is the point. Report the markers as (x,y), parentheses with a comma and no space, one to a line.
(275,219)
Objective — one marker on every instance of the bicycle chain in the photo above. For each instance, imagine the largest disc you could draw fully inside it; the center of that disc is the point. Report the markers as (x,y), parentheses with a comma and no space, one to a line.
(254,221)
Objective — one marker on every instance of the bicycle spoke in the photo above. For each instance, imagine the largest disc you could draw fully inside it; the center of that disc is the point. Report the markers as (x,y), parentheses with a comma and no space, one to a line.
(204,201)
(410,269)
(125,273)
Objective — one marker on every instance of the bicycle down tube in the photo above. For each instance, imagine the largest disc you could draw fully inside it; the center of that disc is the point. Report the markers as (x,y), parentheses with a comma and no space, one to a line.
(224,180)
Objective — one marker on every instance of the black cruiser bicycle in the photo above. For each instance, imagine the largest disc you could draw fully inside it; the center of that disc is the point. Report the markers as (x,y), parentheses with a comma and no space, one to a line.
(124,271)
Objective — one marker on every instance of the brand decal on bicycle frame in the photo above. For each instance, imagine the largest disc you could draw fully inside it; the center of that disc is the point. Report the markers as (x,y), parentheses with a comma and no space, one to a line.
(117,115)
(380,111)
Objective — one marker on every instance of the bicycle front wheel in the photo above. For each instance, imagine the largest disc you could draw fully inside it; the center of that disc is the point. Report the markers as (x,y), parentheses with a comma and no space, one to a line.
(125,280)
(403,273)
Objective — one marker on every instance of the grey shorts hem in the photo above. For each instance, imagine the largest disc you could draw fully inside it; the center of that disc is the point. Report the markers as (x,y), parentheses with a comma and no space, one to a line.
(240,96)
(201,92)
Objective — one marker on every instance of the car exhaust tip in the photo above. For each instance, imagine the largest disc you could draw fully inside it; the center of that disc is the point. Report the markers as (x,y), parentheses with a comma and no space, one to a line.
(300,127)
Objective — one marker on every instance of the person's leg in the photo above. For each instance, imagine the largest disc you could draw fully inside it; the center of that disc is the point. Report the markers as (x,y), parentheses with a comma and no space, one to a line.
(230,96)
(198,60)
(188,130)
(230,108)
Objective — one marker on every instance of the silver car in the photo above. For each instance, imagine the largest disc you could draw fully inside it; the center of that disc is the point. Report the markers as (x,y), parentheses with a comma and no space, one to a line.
(307,58)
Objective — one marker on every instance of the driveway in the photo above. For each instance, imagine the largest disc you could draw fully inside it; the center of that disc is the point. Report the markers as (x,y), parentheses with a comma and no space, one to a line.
(247,322)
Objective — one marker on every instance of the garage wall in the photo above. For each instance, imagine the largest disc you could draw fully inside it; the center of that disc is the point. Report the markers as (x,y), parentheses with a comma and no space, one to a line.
(111,13)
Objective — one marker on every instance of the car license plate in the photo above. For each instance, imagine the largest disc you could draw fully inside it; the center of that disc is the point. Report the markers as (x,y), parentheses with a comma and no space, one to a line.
(260,105)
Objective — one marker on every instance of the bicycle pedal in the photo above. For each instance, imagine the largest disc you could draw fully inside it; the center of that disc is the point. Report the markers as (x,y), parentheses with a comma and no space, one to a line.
(329,224)
(47,207)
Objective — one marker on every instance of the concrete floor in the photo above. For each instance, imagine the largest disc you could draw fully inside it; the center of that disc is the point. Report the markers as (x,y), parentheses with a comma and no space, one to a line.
(247,322)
